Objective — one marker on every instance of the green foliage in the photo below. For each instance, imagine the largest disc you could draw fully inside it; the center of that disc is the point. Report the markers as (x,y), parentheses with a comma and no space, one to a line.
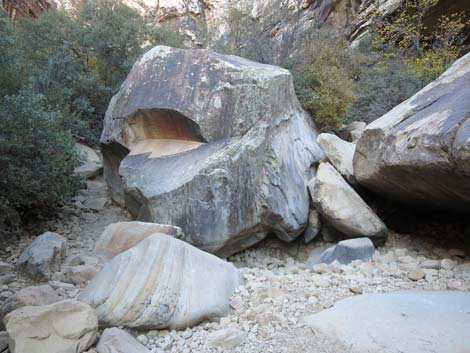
(381,88)
(57,75)
(427,52)
(37,156)
(325,77)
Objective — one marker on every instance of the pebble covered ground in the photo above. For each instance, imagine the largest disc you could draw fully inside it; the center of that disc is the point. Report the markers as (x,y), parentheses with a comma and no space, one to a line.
(268,311)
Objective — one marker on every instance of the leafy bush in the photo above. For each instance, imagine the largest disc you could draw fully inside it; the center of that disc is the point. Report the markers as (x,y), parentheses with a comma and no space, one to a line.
(325,77)
(381,88)
(37,156)
(426,51)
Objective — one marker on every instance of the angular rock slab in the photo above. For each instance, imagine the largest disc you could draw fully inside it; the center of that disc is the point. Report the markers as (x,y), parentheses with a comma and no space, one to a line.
(340,153)
(217,145)
(43,256)
(344,252)
(419,152)
(67,326)
(342,207)
(115,340)
(121,236)
(162,282)
(399,322)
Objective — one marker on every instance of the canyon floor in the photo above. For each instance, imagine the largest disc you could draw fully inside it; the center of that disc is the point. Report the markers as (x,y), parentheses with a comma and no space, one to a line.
(278,293)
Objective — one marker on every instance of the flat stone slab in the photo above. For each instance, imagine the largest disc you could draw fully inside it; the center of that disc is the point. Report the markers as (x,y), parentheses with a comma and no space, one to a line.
(399,322)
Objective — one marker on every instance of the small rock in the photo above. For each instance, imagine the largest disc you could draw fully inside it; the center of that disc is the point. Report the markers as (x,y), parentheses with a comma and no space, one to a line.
(43,256)
(30,296)
(348,250)
(430,264)
(142,339)
(56,285)
(457,252)
(6,268)
(355,290)
(447,264)
(80,274)
(416,275)
(227,338)
(115,340)
(7,279)
(96,204)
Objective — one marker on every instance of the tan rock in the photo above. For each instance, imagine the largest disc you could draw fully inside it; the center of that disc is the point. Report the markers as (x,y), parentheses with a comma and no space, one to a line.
(118,237)
(68,326)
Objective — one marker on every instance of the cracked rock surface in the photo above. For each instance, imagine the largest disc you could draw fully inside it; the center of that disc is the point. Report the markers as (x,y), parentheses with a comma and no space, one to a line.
(419,152)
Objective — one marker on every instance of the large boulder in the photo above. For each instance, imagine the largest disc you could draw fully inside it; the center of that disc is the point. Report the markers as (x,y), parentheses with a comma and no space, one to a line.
(419,152)
(217,145)
(399,322)
(161,282)
(342,207)
(43,256)
(67,326)
(121,236)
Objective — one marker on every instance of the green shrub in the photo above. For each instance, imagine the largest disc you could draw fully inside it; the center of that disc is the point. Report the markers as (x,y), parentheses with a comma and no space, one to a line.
(325,77)
(37,156)
(381,88)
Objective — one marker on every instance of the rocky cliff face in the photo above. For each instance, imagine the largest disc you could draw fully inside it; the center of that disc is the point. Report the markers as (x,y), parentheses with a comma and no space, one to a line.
(23,8)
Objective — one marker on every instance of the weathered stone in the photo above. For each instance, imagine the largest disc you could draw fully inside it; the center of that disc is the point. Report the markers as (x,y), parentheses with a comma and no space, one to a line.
(118,237)
(161,282)
(63,327)
(43,256)
(115,340)
(342,207)
(227,139)
(398,322)
(345,252)
(416,275)
(419,152)
(227,338)
(30,296)
(4,338)
(340,154)
(6,268)
(80,274)
(353,131)
(313,227)
(330,234)
(90,162)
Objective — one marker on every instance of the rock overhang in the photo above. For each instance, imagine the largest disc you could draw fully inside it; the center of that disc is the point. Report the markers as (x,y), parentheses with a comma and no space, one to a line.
(223,135)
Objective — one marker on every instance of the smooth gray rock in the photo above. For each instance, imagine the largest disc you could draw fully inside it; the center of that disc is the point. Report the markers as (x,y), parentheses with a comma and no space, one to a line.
(353,131)
(43,256)
(419,152)
(162,282)
(399,322)
(215,144)
(227,338)
(344,252)
(342,207)
(115,340)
